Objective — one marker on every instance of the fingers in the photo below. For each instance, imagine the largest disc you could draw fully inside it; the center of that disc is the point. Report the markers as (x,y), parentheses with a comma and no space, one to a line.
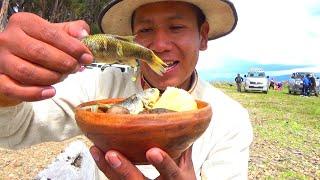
(40,53)
(164,164)
(115,165)
(186,160)
(52,46)
(168,168)
(14,90)
(29,74)
(78,29)
(122,167)
(35,54)
(102,164)
(52,34)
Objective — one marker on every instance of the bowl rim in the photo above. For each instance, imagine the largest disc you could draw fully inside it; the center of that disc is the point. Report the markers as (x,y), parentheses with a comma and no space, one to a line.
(137,119)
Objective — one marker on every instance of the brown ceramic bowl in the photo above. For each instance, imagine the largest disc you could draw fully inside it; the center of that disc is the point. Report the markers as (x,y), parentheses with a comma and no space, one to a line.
(133,135)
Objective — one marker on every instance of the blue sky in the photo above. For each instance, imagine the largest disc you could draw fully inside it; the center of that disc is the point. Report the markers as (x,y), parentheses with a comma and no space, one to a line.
(278,32)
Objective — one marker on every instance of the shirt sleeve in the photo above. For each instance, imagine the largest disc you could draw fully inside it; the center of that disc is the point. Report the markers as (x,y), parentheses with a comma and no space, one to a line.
(53,119)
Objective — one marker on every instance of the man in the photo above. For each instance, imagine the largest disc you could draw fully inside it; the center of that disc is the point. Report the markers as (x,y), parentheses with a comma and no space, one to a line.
(271,86)
(306,85)
(239,81)
(313,85)
(42,54)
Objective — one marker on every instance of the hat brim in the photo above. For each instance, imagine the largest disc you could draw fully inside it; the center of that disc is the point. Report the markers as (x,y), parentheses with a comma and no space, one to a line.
(115,17)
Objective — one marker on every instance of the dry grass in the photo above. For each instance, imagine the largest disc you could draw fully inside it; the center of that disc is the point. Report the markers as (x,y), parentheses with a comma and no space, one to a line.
(287,134)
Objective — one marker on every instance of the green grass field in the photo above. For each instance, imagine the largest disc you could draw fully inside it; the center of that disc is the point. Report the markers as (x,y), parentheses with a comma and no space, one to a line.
(286,127)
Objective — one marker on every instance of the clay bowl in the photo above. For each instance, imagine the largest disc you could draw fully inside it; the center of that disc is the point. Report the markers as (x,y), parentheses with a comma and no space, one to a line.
(133,135)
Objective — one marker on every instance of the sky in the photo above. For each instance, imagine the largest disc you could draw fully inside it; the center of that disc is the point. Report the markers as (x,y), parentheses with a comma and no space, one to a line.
(269,32)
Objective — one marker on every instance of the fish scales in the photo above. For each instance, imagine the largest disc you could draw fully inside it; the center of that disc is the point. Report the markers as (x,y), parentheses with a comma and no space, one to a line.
(135,103)
(103,49)
(137,51)
(112,49)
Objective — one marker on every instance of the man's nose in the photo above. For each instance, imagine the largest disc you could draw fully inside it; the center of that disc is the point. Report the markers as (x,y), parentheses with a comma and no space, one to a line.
(161,41)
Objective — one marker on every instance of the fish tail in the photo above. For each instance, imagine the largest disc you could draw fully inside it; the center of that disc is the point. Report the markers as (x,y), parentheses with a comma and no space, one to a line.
(157,65)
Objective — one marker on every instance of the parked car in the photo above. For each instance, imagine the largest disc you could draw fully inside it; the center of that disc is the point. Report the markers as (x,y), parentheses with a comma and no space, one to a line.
(103,66)
(256,80)
(95,65)
(295,83)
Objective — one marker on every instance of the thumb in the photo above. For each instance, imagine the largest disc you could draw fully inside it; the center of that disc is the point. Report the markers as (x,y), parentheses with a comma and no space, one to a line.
(78,29)
(186,159)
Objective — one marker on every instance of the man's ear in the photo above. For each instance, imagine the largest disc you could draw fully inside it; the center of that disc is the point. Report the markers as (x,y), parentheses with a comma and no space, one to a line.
(204,30)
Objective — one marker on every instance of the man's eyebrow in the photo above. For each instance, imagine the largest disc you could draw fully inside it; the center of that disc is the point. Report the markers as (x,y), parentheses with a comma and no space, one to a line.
(144,21)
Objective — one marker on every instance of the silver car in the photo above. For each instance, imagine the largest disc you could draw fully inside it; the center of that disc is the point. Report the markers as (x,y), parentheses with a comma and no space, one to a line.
(295,83)
(256,80)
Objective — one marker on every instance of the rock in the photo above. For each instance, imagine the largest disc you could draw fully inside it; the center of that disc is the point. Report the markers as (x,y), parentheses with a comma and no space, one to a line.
(74,163)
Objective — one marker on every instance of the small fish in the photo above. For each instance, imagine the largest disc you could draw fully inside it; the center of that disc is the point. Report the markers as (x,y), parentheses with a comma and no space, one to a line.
(135,103)
(113,49)
(138,102)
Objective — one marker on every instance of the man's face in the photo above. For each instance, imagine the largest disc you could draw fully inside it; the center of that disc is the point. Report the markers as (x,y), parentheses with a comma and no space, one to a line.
(170,29)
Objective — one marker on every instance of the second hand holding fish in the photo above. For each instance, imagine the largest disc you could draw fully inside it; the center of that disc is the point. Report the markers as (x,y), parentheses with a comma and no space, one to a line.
(113,49)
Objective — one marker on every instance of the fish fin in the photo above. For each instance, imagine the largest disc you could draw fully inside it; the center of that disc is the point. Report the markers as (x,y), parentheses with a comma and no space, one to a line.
(124,38)
(157,65)
(105,60)
(132,62)
(119,49)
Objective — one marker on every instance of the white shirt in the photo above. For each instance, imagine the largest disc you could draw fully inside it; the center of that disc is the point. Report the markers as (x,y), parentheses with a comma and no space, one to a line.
(222,152)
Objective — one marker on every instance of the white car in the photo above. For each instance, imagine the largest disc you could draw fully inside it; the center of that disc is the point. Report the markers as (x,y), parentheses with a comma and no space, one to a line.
(256,80)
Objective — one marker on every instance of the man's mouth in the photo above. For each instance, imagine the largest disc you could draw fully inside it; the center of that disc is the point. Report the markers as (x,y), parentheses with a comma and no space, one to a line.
(171,65)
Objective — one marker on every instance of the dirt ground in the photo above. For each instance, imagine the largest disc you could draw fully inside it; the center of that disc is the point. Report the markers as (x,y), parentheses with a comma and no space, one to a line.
(27,163)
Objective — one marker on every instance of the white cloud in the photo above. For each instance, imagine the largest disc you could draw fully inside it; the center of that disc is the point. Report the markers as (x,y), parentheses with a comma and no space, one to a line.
(270,32)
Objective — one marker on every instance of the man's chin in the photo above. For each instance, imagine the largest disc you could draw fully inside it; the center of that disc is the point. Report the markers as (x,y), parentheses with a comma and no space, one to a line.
(163,82)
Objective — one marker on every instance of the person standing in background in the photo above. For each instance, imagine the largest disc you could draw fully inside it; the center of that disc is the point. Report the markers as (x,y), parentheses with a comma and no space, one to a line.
(306,85)
(313,85)
(238,81)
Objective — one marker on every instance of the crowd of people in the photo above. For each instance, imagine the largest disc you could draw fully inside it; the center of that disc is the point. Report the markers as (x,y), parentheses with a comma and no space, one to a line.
(275,85)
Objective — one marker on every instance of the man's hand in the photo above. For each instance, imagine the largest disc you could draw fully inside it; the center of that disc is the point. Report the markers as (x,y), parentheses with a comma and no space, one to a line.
(116,166)
(35,54)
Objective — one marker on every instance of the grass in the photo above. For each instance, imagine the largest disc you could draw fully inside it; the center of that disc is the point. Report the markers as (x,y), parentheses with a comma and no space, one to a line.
(286,133)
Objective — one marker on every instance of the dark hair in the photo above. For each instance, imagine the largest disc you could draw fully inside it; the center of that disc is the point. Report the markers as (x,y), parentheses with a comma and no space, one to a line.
(201,18)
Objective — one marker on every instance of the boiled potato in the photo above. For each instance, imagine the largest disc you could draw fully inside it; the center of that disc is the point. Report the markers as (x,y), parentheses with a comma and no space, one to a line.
(176,99)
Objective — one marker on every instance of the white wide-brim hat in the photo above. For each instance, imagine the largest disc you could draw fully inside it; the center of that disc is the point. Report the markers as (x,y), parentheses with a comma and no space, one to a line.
(115,17)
